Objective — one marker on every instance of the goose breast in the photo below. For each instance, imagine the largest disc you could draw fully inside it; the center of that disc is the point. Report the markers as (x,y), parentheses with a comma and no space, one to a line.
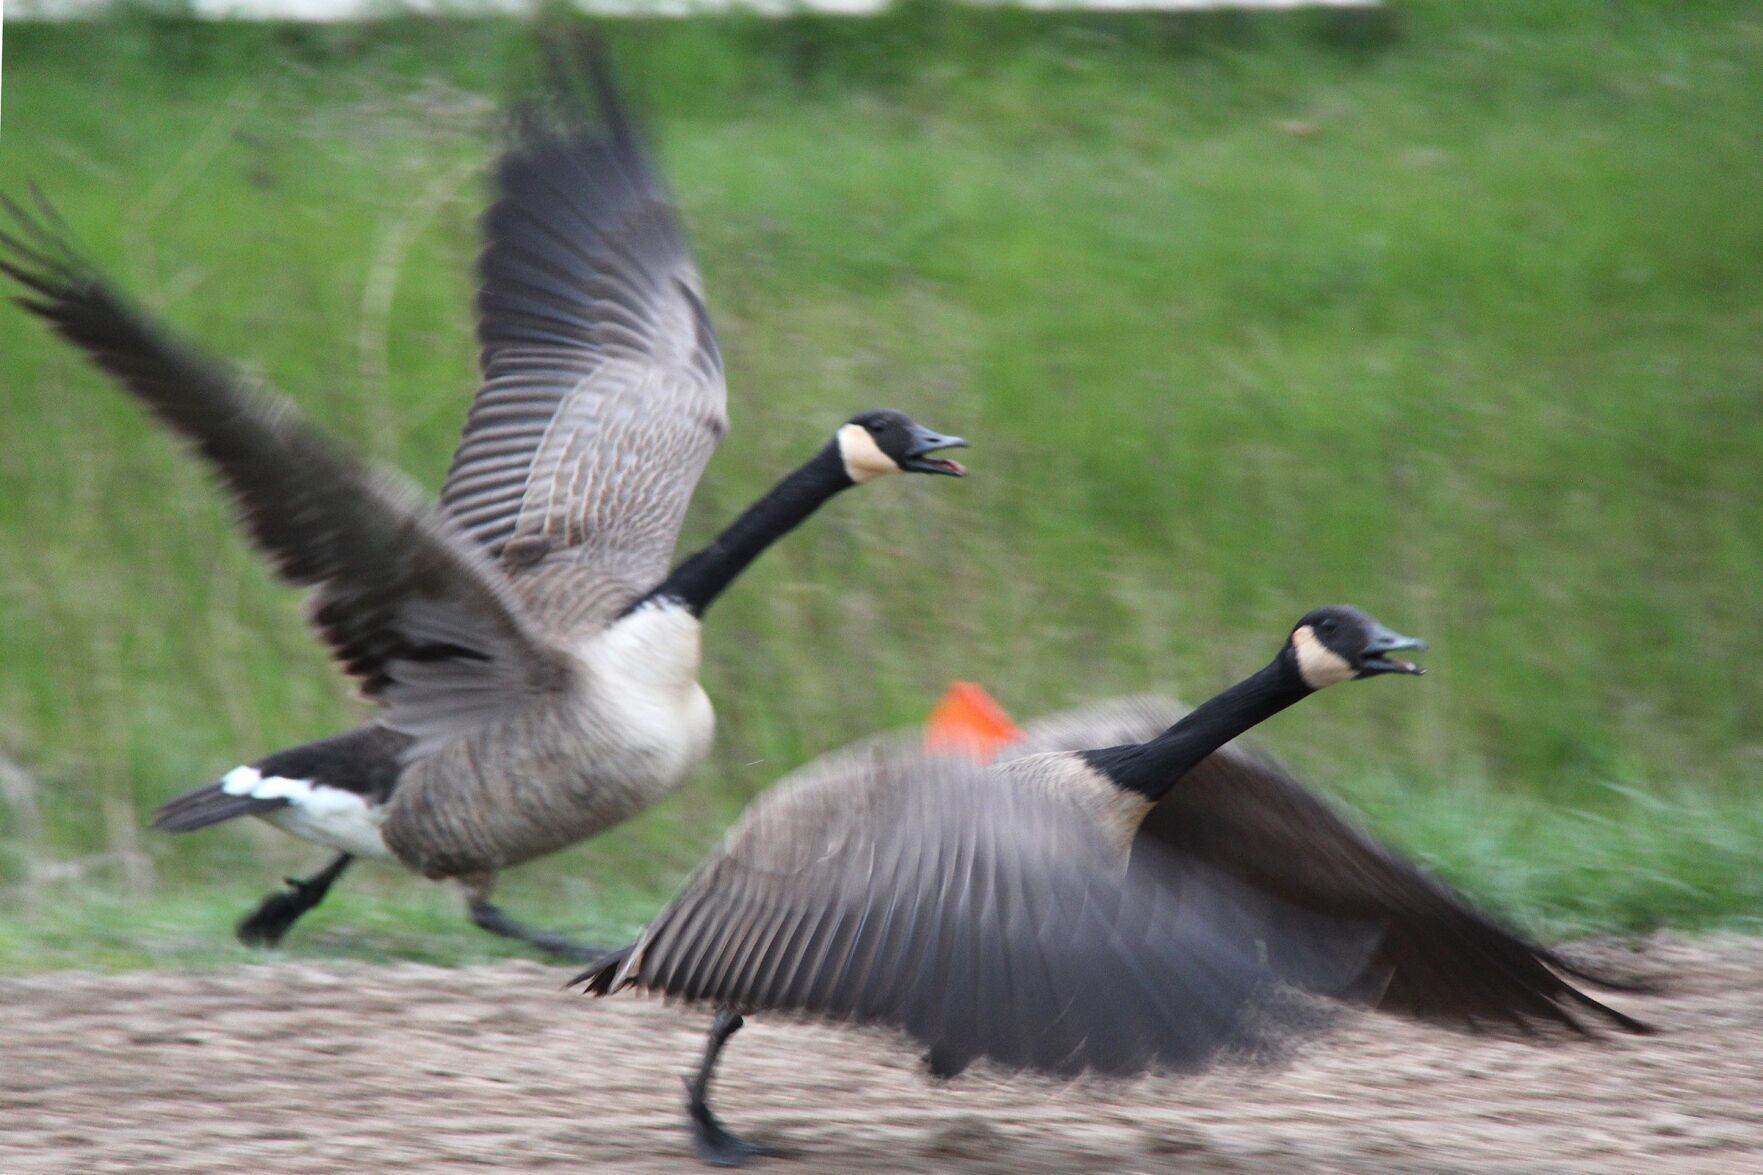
(626,736)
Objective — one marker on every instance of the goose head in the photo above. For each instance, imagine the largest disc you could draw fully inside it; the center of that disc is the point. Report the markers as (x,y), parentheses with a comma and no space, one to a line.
(875,444)
(1341,643)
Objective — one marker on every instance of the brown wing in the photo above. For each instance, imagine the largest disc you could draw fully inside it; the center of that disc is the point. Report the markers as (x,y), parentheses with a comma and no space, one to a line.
(984,920)
(407,606)
(602,396)
(1246,815)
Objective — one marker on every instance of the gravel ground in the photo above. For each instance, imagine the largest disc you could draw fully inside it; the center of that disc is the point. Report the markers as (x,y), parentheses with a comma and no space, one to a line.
(306,1068)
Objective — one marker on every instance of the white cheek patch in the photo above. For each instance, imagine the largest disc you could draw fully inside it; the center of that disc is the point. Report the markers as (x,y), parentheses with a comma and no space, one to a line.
(863,458)
(1319,665)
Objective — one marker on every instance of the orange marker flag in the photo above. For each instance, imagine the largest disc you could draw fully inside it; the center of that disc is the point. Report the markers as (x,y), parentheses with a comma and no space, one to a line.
(968,721)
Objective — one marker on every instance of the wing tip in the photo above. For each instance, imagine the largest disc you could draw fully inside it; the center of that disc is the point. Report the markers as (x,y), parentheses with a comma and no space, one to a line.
(575,53)
(578,89)
(605,975)
(39,256)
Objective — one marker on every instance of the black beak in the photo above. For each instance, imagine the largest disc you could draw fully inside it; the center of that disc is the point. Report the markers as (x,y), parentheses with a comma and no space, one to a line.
(1384,640)
(925,442)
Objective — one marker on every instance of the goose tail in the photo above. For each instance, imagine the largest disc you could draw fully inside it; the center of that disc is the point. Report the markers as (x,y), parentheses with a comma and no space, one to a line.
(336,777)
(214,804)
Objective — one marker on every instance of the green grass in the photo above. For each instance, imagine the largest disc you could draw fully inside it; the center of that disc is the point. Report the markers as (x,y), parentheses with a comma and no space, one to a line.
(1454,313)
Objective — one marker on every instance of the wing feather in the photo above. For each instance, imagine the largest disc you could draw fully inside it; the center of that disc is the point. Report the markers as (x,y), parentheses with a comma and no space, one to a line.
(984,920)
(406,604)
(603,394)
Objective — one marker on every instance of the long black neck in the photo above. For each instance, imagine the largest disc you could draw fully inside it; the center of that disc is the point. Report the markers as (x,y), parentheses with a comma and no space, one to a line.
(702,577)
(1152,768)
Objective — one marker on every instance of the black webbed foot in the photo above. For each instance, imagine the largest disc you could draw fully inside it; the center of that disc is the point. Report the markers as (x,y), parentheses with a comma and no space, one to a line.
(715,1143)
(269,923)
(710,1138)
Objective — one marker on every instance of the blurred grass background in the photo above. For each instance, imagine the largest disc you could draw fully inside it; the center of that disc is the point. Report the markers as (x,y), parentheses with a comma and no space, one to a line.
(1452,311)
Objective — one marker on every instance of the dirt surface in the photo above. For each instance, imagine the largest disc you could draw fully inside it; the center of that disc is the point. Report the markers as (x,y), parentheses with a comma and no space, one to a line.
(304,1068)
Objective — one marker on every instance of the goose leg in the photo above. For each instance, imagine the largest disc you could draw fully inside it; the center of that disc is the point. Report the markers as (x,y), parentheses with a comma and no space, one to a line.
(279,911)
(486,915)
(713,1142)
(491,917)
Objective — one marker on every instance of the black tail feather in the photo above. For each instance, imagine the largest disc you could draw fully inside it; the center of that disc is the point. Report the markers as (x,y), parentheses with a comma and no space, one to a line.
(598,978)
(208,806)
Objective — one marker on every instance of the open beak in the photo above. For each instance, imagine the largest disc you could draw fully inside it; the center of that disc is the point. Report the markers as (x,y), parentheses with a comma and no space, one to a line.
(926,442)
(1383,642)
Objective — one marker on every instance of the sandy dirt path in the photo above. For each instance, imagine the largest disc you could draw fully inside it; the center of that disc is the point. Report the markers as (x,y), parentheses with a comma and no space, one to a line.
(308,1068)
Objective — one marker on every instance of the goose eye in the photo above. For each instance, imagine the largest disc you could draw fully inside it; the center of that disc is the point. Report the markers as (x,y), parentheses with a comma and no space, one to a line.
(1328,625)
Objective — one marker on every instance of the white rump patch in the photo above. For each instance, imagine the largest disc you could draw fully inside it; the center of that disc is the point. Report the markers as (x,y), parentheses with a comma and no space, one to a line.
(1319,665)
(863,458)
(329,816)
(240,781)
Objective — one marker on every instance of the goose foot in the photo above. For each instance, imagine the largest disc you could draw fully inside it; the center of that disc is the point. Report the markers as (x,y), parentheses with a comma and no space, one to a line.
(491,917)
(710,1138)
(943,1065)
(270,922)
(716,1145)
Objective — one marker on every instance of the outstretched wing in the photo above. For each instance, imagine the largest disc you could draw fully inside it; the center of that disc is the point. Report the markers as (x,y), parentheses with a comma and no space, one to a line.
(406,604)
(1246,815)
(603,394)
(1447,961)
(985,920)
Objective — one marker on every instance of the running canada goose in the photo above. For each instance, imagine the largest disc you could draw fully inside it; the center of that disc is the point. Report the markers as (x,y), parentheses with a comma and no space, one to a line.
(992,920)
(1444,960)
(534,659)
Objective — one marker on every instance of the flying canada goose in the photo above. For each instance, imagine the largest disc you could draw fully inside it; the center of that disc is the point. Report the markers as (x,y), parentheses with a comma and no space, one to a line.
(534,659)
(1242,813)
(990,914)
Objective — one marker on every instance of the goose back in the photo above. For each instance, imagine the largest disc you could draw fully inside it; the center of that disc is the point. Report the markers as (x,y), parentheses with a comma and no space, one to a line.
(1117,813)
(1133,718)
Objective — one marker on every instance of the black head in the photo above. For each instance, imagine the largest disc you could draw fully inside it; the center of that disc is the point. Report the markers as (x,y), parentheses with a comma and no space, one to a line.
(874,444)
(1341,643)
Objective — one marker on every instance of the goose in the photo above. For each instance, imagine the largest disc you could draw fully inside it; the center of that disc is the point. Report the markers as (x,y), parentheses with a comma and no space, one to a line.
(991,915)
(533,657)
(1444,960)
